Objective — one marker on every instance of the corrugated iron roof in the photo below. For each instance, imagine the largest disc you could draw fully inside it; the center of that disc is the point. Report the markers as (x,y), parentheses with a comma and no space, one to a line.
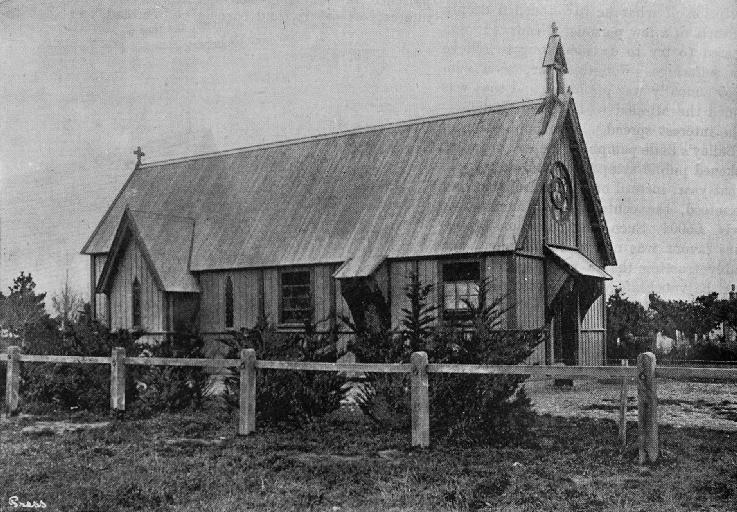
(578,263)
(451,184)
(359,267)
(166,242)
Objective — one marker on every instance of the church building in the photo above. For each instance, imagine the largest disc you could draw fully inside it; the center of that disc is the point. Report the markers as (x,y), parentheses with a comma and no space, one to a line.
(310,230)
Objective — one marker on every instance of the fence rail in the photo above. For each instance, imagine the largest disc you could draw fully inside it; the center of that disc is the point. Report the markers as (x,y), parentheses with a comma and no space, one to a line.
(578,372)
(419,368)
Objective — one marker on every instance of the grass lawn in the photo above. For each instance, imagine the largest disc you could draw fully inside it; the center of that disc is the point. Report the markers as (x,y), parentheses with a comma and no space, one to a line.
(347,464)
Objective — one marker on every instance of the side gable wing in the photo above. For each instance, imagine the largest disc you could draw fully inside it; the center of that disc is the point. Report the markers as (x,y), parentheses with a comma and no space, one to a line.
(166,245)
(126,234)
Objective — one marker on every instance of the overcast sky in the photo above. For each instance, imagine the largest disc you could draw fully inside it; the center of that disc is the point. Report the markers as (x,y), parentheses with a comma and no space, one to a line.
(84,83)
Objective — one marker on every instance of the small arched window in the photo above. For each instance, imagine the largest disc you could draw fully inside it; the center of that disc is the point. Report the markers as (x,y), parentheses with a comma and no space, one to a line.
(136,306)
(228,302)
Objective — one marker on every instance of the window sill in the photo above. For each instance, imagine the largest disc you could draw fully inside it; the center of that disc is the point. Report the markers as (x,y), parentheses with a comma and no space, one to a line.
(290,327)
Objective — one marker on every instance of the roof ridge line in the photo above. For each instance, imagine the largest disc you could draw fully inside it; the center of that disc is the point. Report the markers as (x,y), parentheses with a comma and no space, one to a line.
(343,133)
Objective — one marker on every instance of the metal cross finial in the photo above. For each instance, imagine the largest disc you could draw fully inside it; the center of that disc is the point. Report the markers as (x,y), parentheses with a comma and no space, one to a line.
(554,27)
(139,154)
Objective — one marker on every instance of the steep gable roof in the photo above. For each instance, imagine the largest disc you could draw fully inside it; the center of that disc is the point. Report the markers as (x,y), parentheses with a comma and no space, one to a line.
(165,242)
(453,184)
(596,211)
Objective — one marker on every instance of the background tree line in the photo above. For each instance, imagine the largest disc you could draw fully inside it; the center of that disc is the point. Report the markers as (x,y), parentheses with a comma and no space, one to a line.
(632,328)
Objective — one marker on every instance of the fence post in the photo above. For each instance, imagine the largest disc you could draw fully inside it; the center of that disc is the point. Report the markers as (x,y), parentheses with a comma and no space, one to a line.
(247,399)
(12,381)
(623,408)
(647,408)
(420,387)
(117,381)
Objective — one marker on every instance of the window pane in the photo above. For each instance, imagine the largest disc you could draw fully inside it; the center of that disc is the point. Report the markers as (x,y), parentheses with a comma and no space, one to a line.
(449,295)
(461,285)
(474,300)
(296,304)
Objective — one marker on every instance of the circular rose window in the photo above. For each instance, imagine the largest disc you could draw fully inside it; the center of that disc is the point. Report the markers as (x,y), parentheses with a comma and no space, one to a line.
(561,192)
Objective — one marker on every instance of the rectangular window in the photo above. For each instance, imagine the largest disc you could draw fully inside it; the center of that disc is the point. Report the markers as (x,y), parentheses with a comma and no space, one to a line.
(296,297)
(460,287)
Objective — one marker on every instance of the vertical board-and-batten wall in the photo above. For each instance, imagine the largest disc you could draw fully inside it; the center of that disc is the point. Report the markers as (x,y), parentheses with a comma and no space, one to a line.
(246,297)
(101,302)
(494,268)
(515,281)
(562,232)
(591,348)
(395,275)
(575,232)
(132,265)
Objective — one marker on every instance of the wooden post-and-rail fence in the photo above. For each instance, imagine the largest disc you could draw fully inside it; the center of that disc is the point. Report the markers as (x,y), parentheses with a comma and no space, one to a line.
(419,369)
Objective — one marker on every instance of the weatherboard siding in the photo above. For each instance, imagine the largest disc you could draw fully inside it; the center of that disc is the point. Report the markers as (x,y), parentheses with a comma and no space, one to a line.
(132,265)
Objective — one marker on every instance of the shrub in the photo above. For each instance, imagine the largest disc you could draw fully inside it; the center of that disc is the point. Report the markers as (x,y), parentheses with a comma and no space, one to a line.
(701,350)
(47,386)
(475,408)
(169,388)
(466,408)
(65,386)
(286,396)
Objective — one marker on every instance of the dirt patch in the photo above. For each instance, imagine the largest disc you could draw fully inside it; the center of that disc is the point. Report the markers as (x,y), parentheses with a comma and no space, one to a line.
(50,428)
(680,404)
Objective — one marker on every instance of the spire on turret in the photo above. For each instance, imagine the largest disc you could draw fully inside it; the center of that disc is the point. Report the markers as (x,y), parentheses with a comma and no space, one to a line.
(554,63)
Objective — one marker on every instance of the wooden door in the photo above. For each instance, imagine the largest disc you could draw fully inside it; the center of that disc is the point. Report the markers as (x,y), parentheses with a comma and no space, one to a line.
(565,331)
